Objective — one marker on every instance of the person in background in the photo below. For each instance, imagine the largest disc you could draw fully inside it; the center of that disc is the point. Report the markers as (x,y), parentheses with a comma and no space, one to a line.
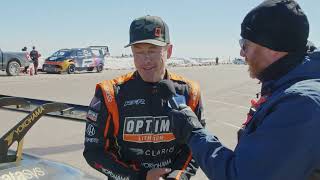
(34,54)
(25,49)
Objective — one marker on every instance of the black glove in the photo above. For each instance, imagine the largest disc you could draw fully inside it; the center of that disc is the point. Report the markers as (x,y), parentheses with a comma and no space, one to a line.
(183,121)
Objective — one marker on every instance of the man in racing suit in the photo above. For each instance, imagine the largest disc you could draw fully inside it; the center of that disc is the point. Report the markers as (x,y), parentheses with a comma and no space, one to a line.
(280,138)
(128,133)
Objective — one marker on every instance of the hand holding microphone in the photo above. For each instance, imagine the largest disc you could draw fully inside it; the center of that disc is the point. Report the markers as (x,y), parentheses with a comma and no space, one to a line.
(182,118)
(167,92)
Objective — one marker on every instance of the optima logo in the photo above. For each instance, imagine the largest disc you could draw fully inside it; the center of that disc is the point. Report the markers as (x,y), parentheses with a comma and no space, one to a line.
(147,129)
(25,124)
(24,174)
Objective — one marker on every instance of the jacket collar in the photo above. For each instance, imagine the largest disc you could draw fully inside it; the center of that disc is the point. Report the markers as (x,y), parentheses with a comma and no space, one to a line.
(277,70)
(281,67)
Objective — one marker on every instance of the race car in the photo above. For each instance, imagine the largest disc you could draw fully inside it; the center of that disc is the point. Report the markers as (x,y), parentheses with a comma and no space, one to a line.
(16,165)
(76,59)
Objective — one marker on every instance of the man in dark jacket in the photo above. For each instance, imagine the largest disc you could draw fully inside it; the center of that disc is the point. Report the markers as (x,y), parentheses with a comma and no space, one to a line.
(128,133)
(280,139)
(34,54)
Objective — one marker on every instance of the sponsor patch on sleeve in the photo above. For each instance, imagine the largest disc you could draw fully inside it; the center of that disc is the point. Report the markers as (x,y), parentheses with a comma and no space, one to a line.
(92,116)
(95,104)
(91,130)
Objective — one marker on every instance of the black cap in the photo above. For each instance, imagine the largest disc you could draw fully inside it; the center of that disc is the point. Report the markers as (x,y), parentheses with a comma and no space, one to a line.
(280,25)
(149,29)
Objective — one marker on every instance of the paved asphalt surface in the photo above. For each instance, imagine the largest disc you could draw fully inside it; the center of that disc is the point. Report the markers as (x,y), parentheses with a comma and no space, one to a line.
(226,91)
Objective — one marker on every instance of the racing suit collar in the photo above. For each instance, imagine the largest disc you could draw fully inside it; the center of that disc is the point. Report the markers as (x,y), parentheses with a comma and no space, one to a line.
(137,75)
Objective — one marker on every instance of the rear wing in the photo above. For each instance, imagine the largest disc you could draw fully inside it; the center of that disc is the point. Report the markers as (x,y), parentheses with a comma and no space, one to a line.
(104,49)
(17,133)
(73,112)
(17,101)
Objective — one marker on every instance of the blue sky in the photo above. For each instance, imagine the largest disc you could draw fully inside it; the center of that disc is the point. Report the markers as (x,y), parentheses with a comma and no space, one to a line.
(203,28)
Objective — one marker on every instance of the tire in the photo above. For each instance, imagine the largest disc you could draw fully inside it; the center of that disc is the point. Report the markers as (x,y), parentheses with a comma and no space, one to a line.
(71,69)
(99,68)
(90,69)
(13,68)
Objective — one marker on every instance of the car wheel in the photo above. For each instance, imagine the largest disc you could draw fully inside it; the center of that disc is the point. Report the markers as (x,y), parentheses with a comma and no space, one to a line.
(99,68)
(71,69)
(13,68)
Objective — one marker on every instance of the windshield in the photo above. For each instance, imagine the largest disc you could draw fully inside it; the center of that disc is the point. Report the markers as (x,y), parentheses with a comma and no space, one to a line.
(59,54)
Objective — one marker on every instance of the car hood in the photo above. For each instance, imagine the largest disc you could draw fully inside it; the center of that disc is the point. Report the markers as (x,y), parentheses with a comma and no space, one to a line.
(32,167)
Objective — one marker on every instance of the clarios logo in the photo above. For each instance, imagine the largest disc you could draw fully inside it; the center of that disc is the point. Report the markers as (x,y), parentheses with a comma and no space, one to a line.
(152,152)
(25,124)
(24,174)
(147,129)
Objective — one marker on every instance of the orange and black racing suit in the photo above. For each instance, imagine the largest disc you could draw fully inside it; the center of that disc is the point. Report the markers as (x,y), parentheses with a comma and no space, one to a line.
(128,131)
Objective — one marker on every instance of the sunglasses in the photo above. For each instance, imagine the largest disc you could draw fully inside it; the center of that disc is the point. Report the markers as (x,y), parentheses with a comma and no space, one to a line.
(243,44)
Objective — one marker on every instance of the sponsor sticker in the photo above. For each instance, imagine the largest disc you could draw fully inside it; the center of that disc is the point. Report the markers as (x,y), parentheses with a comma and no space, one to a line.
(26,123)
(95,103)
(91,130)
(147,129)
(135,102)
(161,164)
(157,32)
(152,152)
(92,140)
(92,116)
(24,173)
(110,173)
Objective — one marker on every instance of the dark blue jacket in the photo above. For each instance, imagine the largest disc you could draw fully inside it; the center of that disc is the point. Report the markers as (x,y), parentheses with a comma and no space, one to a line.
(282,140)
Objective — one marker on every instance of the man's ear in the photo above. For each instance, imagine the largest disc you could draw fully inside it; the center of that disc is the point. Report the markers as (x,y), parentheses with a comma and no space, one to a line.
(169,51)
(275,55)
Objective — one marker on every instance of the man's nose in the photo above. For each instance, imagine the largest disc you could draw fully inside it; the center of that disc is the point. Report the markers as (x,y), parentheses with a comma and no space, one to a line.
(147,57)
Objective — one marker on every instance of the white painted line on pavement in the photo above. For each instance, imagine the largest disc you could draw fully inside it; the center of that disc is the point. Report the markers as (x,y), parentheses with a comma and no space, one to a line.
(242,94)
(229,124)
(229,104)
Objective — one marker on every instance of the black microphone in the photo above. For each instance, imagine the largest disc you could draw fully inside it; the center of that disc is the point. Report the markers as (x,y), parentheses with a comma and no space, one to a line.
(166,92)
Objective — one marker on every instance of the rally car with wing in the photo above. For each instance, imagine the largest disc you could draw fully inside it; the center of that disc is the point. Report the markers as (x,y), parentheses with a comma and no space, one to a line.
(76,59)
